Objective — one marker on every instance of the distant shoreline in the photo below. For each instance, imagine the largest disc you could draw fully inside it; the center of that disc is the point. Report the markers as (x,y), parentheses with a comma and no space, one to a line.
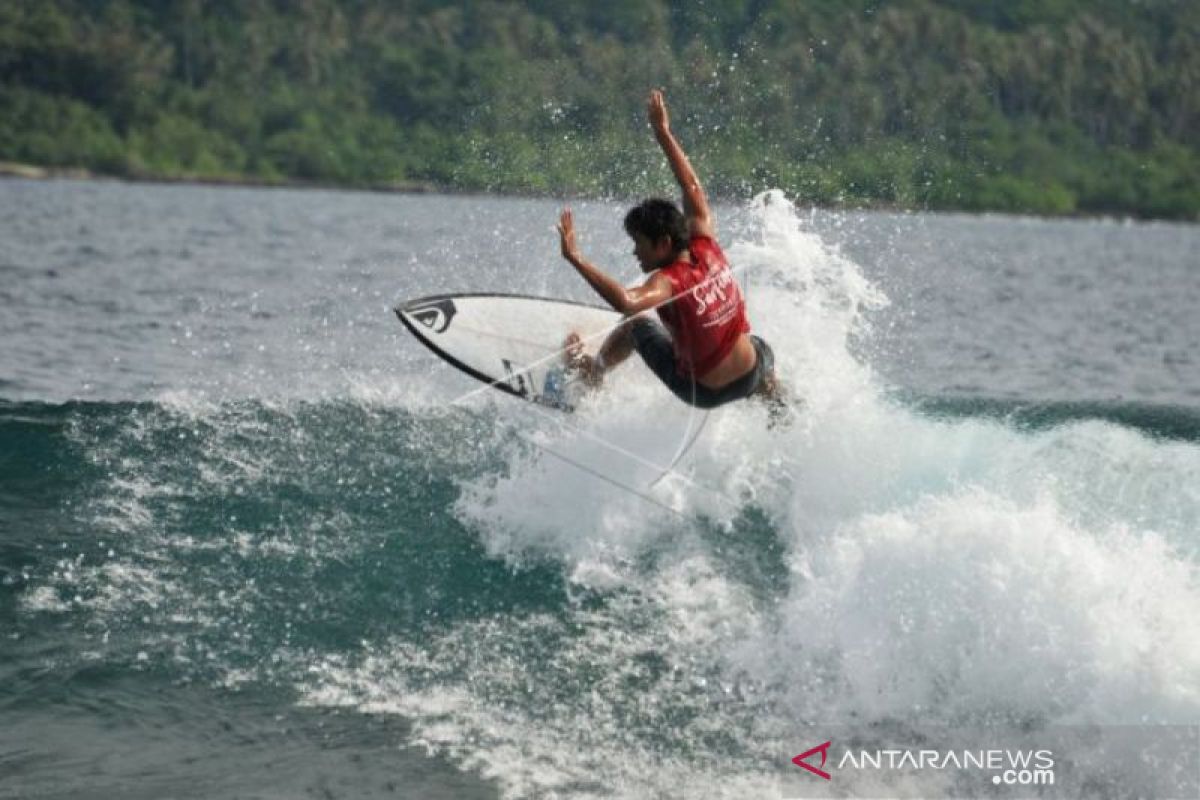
(9,169)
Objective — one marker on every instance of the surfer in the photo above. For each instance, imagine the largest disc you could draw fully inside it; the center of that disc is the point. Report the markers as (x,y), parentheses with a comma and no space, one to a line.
(703,350)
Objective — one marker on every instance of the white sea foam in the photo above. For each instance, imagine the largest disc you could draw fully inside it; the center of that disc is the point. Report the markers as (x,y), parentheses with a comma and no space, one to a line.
(561,724)
(911,608)
(44,599)
(939,572)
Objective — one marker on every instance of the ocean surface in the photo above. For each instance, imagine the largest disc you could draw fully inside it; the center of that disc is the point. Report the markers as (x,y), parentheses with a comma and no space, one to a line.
(256,541)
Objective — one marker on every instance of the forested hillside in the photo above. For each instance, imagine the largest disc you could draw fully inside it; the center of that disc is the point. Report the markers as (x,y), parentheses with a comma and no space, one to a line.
(1045,106)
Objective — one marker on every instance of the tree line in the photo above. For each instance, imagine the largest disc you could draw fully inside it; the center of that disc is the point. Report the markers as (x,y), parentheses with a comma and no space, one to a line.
(1044,106)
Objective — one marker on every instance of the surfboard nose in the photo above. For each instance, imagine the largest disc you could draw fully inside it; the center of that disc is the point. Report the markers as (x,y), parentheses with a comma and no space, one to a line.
(513,343)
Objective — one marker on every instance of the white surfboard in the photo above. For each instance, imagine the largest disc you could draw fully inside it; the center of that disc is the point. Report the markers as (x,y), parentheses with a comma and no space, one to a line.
(511,342)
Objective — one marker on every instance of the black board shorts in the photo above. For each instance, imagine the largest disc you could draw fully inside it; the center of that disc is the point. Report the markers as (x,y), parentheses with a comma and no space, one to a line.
(653,344)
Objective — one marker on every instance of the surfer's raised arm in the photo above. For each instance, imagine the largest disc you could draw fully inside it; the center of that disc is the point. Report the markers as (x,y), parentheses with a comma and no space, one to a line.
(700,347)
(628,301)
(695,203)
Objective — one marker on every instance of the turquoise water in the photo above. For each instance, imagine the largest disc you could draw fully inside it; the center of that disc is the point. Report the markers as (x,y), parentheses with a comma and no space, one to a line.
(249,546)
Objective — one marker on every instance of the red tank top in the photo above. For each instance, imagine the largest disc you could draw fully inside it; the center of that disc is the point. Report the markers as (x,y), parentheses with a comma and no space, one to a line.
(708,314)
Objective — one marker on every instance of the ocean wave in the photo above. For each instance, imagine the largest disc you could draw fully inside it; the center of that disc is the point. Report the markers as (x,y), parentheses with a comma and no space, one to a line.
(881,562)
(1161,421)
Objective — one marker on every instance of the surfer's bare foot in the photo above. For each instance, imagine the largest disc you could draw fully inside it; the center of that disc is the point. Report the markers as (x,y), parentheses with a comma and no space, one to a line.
(580,362)
(573,351)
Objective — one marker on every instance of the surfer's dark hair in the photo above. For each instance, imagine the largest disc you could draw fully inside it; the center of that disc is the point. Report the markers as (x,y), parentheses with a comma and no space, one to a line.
(656,218)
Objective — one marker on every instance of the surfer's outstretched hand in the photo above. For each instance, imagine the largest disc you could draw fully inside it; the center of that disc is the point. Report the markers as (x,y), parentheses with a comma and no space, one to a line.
(656,110)
(566,236)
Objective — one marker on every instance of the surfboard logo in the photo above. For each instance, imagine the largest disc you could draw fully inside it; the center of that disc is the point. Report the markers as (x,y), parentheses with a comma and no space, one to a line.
(436,315)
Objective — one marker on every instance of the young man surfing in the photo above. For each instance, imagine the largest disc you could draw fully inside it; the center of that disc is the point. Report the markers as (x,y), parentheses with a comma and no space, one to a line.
(703,350)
